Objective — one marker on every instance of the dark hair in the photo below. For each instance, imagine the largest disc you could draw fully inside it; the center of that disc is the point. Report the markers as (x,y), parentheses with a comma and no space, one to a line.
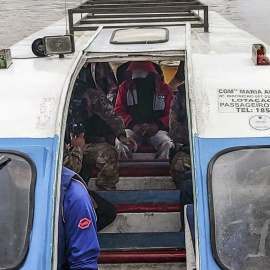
(180,74)
(80,87)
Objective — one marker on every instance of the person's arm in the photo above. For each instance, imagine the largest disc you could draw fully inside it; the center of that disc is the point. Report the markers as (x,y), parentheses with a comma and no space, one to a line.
(121,110)
(129,142)
(164,120)
(105,78)
(121,105)
(80,228)
(178,130)
(179,77)
(73,159)
(102,107)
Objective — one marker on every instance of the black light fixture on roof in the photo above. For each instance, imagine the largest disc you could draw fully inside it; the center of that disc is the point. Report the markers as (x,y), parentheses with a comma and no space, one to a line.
(51,45)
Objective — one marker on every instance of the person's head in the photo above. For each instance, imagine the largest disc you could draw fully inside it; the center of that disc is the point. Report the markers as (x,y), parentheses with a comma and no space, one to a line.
(80,100)
(80,88)
(141,70)
(143,75)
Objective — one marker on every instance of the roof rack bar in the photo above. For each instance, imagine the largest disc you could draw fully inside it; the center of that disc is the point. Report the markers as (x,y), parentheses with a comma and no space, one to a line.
(144,15)
(119,20)
(125,9)
(131,5)
(93,27)
(95,12)
(100,2)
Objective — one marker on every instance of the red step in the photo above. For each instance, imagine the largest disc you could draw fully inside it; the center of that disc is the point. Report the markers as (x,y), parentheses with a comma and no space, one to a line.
(144,148)
(150,207)
(137,168)
(143,256)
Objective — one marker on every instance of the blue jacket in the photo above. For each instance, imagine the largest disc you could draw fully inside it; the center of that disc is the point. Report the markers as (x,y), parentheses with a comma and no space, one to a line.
(78,246)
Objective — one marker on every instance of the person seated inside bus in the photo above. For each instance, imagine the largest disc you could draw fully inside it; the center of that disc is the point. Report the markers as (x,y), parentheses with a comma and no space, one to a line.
(143,101)
(91,113)
(73,155)
(178,129)
(78,246)
(100,76)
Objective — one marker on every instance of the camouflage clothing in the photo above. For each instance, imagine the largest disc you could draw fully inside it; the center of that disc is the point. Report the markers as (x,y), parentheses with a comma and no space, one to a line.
(178,130)
(100,124)
(105,157)
(73,159)
(102,121)
(101,77)
(97,152)
(179,165)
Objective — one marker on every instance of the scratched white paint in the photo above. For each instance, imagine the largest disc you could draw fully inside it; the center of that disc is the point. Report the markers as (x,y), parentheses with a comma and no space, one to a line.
(33,90)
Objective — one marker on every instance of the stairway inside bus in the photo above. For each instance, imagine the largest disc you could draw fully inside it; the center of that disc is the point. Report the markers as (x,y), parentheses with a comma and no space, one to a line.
(146,233)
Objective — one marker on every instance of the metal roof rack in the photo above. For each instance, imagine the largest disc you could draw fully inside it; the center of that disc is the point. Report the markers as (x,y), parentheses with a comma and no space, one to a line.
(137,13)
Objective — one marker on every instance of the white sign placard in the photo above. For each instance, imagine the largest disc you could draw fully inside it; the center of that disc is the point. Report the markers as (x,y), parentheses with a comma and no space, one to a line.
(243,101)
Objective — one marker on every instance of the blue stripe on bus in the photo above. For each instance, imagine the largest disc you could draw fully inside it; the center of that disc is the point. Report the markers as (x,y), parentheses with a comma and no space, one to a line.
(141,196)
(205,149)
(141,241)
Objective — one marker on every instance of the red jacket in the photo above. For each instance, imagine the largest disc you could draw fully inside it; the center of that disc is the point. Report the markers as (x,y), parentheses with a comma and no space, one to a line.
(127,91)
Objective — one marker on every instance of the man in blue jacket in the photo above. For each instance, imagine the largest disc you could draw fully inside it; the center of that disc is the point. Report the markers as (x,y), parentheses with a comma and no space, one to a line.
(78,246)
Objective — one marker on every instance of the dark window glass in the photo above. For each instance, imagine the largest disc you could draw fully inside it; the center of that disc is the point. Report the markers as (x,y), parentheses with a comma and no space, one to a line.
(17,179)
(239,189)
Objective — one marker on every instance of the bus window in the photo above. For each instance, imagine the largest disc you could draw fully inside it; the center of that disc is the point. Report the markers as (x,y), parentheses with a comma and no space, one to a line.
(239,187)
(17,176)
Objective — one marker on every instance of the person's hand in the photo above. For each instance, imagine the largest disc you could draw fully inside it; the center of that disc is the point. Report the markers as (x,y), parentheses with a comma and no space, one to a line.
(129,142)
(138,129)
(151,129)
(78,141)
